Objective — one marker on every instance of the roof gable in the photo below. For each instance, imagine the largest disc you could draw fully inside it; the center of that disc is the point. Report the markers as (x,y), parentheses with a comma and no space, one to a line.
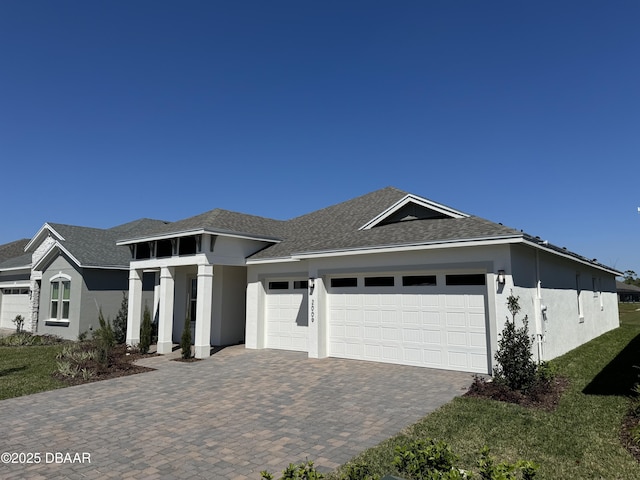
(412,207)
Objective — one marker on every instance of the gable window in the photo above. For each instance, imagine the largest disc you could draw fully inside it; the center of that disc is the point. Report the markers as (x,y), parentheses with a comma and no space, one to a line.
(60,298)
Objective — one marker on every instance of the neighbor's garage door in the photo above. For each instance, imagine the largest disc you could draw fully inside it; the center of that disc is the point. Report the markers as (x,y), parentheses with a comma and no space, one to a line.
(436,321)
(286,314)
(14,301)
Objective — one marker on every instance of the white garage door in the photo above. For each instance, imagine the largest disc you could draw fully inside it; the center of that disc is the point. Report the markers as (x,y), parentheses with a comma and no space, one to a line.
(15,301)
(286,314)
(436,321)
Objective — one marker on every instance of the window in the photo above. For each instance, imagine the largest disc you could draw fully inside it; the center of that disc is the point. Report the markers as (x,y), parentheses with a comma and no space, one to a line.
(143,251)
(163,248)
(469,279)
(15,291)
(60,298)
(187,246)
(379,282)
(418,280)
(344,282)
(193,299)
(278,285)
(301,284)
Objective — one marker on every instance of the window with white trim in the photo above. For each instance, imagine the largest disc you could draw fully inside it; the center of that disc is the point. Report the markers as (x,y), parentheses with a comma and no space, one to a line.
(60,298)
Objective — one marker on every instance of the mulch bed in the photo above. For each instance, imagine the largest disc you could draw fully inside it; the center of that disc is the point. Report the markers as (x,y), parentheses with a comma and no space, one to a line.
(120,364)
(544,396)
(186,360)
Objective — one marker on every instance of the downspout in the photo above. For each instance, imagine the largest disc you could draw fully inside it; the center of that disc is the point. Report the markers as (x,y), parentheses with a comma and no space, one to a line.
(538,309)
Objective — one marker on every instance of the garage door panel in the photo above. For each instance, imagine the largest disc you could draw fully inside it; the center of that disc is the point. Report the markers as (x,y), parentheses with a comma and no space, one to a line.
(411,318)
(412,335)
(430,318)
(444,327)
(477,320)
(286,318)
(372,333)
(456,319)
(432,337)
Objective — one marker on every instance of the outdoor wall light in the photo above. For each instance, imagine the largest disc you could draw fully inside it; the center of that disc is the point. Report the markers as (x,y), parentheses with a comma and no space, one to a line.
(501,277)
(312,283)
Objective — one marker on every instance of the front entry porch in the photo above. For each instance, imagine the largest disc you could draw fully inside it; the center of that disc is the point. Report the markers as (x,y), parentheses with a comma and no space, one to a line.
(210,296)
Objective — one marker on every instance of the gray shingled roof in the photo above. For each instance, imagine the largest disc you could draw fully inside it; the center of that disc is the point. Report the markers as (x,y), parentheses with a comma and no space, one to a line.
(13,249)
(338,228)
(622,287)
(96,247)
(218,220)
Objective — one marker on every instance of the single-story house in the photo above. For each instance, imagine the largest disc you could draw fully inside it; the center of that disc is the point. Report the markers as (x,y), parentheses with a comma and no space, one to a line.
(627,292)
(65,275)
(388,277)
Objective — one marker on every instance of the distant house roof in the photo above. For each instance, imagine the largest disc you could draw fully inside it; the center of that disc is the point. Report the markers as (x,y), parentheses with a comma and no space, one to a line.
(12,255)
(94,247)
(385,218)
(622,287)
(12,249)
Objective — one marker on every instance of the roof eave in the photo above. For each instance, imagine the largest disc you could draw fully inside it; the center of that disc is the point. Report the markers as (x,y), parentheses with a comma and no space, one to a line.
(198,231)
(573,257)
(392,248)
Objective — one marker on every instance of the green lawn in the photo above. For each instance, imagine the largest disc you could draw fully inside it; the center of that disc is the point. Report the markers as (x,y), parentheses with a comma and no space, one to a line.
(578,440)
(26,370)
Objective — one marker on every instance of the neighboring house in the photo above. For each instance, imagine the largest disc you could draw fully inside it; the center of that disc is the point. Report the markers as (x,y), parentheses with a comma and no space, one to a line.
(387,277)
(68,274)
(628,293)
(15,271)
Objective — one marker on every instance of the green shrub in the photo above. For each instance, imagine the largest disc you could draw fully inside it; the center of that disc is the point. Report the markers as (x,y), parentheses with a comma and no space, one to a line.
(19,321)
(120,322)
(303,471)
(145,331)
(358,471)
(26,339)
(185,339)
(104,338)
(515,365)
(426,459)
(490,470)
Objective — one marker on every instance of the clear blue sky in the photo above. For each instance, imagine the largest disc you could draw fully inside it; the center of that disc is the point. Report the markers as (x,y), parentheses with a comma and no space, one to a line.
(525,113)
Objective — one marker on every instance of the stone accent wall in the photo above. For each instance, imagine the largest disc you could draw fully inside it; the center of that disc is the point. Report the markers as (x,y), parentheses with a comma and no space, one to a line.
(31,322)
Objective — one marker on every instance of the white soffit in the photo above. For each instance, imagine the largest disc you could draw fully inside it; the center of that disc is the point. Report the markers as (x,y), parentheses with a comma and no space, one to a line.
(423,202)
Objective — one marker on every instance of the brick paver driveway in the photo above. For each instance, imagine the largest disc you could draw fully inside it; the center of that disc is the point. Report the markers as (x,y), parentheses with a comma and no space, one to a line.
(227,417)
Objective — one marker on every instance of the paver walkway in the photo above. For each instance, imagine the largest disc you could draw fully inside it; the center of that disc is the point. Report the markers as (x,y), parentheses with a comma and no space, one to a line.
(226,417)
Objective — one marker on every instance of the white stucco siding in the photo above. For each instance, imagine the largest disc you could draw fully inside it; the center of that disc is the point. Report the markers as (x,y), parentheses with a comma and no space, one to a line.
(570,320)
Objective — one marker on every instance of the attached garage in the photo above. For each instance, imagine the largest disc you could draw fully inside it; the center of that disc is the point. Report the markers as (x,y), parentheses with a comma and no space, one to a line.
(430,320)
(286,314)
(14,301)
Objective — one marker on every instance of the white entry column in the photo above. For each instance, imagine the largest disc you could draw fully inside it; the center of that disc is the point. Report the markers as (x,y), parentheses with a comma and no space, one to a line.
(135,307)
(203,311)
(165,313)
